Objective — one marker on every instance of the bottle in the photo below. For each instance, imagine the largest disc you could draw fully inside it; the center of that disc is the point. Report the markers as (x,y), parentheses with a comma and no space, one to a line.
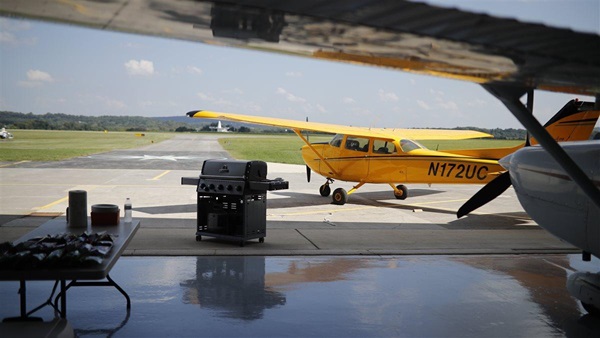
(128,209)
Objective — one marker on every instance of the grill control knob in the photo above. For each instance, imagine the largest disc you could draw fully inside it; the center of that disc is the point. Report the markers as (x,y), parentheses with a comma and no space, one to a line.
(220,187)
(211,187)
(202,186)
(238,188)
(229,187)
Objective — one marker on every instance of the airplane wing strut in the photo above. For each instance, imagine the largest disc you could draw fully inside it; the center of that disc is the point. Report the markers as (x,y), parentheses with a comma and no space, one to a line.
(299,133)
(509,95)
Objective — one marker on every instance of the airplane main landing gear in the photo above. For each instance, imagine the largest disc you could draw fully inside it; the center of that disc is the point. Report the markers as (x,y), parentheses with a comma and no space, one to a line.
(400,191)
(340,196)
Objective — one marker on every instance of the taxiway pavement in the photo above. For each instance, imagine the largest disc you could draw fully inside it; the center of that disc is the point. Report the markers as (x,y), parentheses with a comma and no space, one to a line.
(299,220)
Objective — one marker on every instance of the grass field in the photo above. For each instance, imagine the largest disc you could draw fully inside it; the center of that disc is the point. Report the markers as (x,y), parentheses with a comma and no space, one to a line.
(54,145)
(286,148)
(43,145)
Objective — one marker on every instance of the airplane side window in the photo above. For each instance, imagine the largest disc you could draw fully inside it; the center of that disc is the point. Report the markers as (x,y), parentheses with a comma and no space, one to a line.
(383,147)
(336,141)
(357,143)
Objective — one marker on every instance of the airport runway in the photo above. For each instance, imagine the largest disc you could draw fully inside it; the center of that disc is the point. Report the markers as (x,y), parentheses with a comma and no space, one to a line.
(299,221)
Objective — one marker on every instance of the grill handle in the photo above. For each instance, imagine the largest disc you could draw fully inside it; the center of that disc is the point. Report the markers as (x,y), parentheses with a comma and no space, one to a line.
(221,177)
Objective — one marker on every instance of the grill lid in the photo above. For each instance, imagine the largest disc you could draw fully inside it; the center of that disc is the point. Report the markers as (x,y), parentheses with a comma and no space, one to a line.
(234,169)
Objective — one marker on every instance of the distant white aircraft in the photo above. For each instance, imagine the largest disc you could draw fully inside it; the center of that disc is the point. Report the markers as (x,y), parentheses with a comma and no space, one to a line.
(5,135)
(219,128)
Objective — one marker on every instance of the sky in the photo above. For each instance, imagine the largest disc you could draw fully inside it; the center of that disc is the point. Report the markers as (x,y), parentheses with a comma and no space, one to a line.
(51,68)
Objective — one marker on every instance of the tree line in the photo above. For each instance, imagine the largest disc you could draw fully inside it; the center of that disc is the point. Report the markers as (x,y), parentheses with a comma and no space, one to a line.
(57,121)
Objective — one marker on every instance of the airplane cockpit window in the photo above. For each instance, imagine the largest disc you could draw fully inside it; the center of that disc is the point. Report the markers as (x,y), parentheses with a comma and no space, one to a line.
(408,145)
(357,143)
(383,147)
(336,141)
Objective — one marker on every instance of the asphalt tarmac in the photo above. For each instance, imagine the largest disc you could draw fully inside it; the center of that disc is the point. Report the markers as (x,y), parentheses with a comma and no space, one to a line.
(472,256)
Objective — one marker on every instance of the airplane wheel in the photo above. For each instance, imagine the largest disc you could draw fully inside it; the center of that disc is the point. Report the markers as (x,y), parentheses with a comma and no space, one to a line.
(404,193)
(325,190)
(340,196)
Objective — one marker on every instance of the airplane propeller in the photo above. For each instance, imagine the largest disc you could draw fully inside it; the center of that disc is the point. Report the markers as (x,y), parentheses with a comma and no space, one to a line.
(489,192)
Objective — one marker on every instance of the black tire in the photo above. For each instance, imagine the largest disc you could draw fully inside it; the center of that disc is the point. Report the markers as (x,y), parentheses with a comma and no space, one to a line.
(340,196)
(261,240)
(404,191)
(325,190)
(198,238)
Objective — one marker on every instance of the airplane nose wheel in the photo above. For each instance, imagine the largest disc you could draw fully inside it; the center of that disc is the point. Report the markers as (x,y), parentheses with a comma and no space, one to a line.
(325,190)
(340,196)
(401,193)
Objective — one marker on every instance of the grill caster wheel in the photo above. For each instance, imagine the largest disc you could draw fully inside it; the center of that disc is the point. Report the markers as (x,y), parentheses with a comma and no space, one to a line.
(198,238)
(261,240)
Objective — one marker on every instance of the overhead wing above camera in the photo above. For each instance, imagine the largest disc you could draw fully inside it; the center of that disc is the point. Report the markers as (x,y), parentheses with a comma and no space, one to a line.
(403,35)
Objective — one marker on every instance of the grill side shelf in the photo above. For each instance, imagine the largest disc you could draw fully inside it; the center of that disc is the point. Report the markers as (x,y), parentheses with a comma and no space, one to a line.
(190,181)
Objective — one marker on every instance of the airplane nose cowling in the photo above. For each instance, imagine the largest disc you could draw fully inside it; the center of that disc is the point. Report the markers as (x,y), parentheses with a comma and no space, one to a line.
(551,197)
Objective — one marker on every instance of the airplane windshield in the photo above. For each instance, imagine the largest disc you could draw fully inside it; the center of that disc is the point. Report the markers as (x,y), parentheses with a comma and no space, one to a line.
(336,141)
(408,145)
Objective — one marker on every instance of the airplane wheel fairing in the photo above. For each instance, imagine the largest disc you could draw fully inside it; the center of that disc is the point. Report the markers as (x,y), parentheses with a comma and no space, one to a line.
(340,196)
(404,192)
(584,286)
(325,190)
(591,309)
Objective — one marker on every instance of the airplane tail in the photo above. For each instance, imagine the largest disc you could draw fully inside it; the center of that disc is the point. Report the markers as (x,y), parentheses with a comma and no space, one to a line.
(574,122)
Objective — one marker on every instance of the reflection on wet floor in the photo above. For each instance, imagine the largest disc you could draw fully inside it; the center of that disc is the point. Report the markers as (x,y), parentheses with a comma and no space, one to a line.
(328,297)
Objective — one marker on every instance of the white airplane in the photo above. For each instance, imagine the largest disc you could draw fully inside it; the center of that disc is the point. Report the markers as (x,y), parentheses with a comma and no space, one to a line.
(219,128)
(507,57)
(551,198)
(5,134)
(555,202)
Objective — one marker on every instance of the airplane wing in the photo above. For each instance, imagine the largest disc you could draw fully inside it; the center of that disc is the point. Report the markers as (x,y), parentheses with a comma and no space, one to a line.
(402,35)
(389,134)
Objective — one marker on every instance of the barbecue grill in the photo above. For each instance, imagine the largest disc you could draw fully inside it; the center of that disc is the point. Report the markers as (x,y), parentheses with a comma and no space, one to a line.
(232,199)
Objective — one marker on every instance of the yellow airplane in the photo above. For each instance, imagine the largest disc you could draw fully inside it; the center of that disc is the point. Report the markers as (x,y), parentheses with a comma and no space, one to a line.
(391,156)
